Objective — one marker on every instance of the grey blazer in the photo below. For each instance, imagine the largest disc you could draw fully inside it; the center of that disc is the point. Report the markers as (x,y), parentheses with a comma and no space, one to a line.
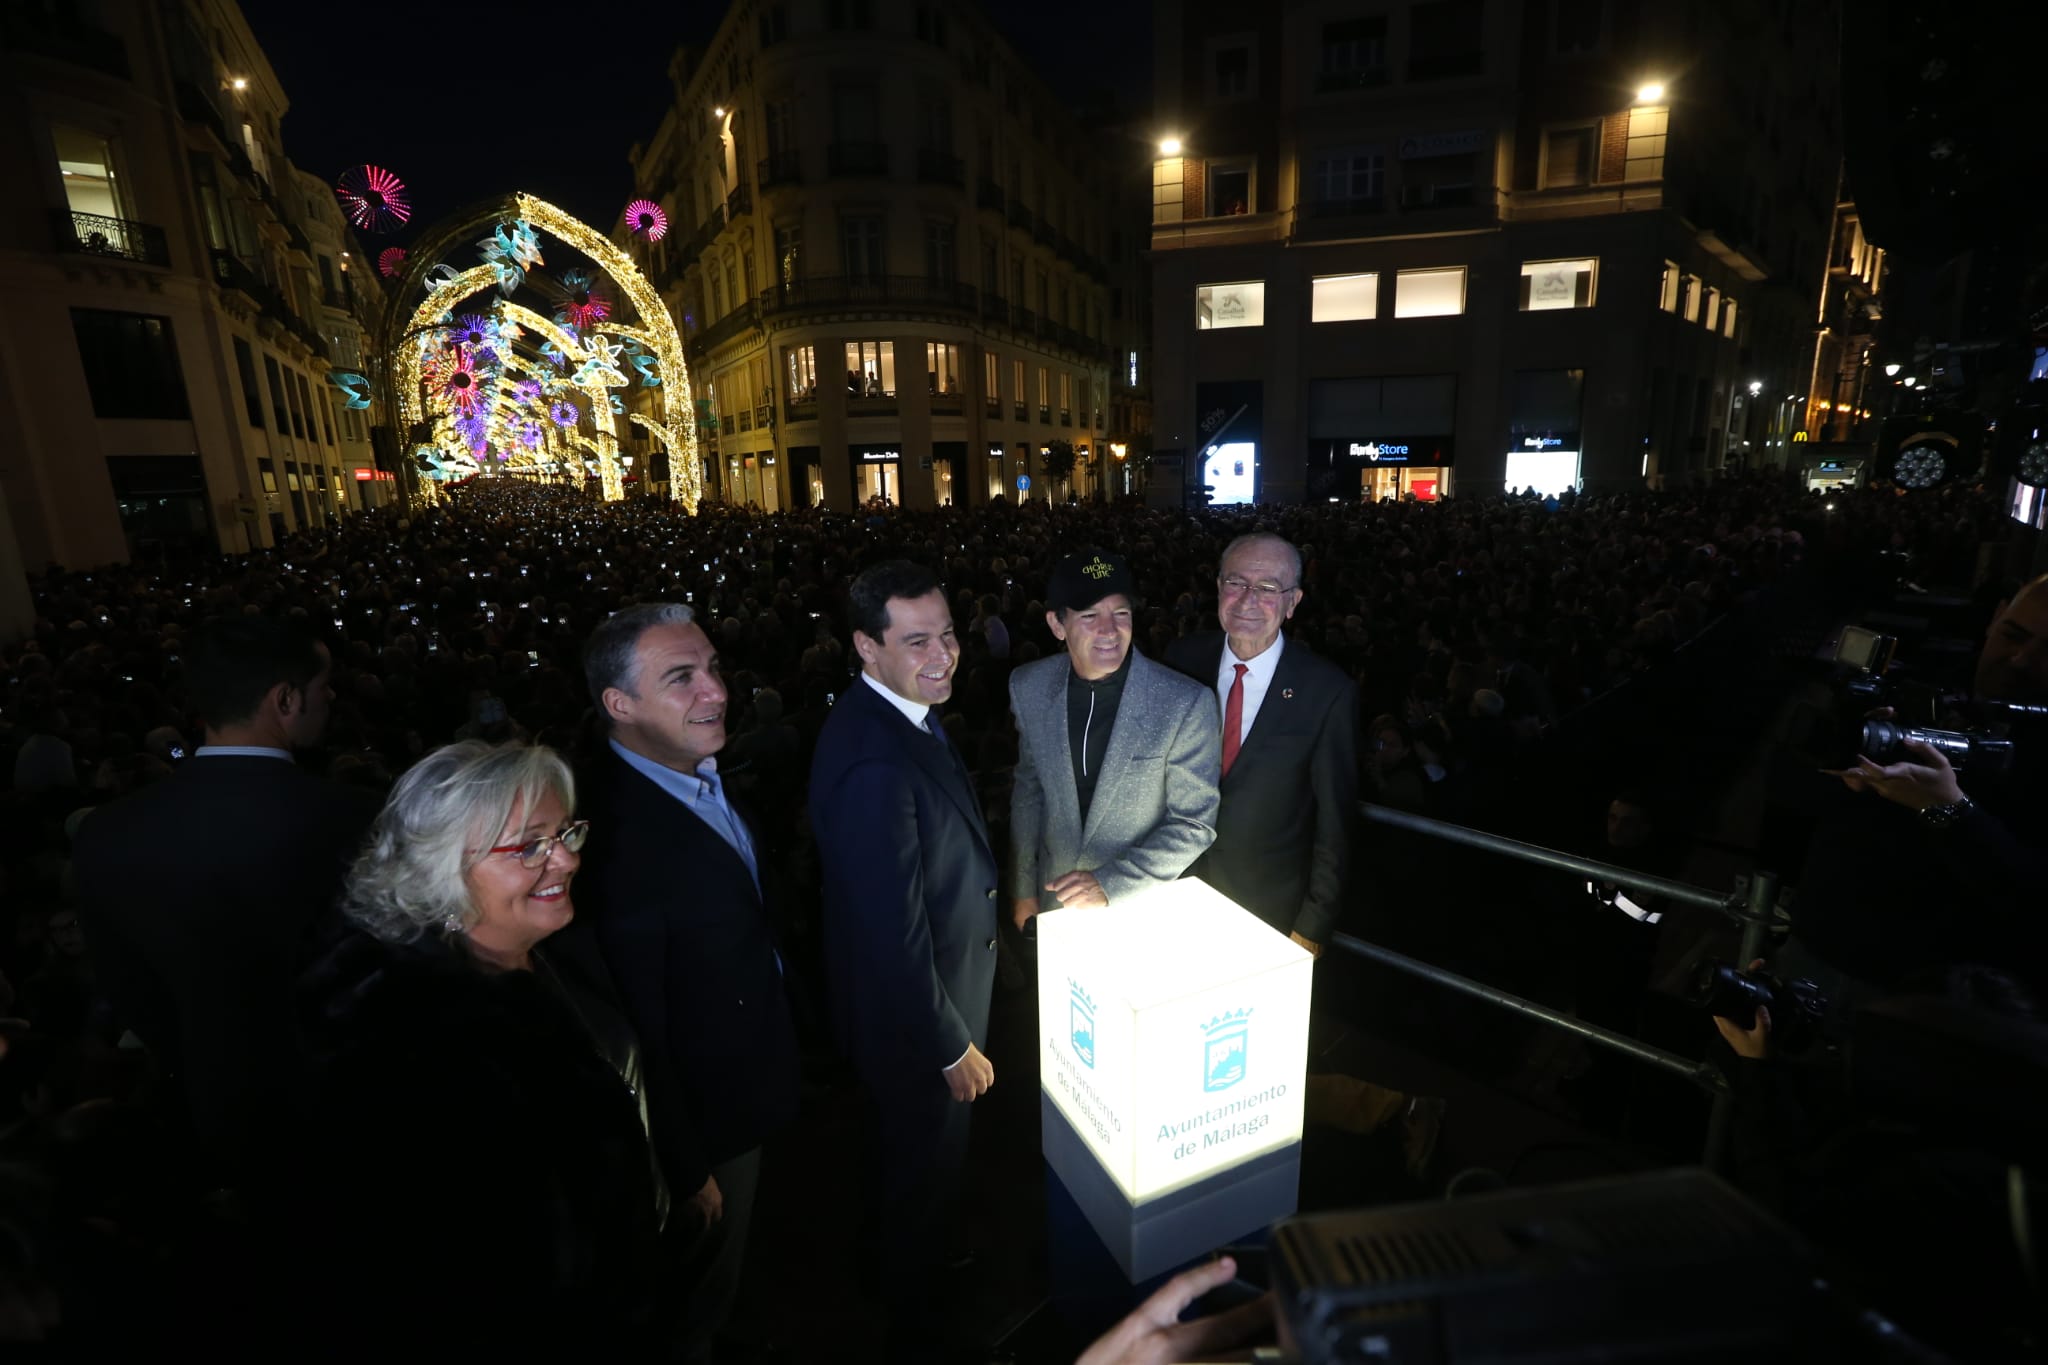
(1155,803)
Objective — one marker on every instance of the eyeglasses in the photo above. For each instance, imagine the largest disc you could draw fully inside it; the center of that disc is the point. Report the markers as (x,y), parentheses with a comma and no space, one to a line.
(534,852)
(1265,594)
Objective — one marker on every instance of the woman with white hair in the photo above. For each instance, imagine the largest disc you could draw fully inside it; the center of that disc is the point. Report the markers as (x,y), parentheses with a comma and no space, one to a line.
(487,1178)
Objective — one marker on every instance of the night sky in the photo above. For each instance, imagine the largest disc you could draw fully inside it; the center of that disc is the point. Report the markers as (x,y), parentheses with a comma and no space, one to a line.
(372,82)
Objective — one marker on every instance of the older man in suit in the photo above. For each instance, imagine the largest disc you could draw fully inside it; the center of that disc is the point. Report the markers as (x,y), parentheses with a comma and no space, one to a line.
(910,917)
(1117,757)
(672,888)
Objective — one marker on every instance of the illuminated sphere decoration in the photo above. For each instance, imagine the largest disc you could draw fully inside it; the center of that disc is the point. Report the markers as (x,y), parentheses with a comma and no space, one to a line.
(645,219)
(1920,466)
(389,259)
(373,198)
(2033,466)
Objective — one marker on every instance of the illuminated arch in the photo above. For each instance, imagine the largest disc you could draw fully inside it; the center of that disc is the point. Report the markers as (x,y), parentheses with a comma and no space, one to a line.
(657,366)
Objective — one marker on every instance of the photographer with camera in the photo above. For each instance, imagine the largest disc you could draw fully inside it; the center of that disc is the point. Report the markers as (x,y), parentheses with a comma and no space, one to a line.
(1931,853)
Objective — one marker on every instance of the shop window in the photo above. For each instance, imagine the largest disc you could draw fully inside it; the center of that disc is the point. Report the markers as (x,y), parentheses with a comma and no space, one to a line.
(871,369)
(1429,293)
(942,367)
(1344,298)
(1240,304)
(1558,284)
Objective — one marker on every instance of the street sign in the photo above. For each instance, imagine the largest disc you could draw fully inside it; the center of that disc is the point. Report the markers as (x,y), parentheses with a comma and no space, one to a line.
(1023,483)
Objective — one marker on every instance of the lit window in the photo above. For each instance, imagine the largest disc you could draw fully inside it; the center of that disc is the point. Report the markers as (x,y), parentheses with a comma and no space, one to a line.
(1692,298)
(1646,128)
(1667,292)
(1728,318)
(871,369)
(1166,191)
(1713,323)
(1242,304)
(1344,298)
(1429,293)
(1558,284)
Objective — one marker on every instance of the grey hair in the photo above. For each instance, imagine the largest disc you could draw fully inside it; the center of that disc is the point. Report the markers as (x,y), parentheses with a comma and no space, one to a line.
(1262,538)
(408,882)
(610,655)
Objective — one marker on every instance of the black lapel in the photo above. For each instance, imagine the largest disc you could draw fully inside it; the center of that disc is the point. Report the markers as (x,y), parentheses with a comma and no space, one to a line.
(633,787)
(1281,692)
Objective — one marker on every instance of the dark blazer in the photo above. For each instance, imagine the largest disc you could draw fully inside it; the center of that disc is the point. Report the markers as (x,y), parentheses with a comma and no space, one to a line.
(1285,836)
(202,897)
(910,892)
(687,937)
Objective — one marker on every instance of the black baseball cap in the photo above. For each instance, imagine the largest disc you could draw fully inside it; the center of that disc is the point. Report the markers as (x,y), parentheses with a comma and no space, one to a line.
(1080,581)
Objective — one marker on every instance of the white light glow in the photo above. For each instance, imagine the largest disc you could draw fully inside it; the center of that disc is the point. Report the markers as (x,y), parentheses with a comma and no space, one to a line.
(1650,92)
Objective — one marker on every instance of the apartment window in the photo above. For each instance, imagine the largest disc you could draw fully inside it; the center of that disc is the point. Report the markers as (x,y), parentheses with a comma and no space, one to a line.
(1066,399)
(269,473)
(1017,386)
(1349,177)
(245,365)
(774,21)
(277,410)
(1166,189)
(1646,129)
(1354,54)
(1713,318)
(931,25)
(291,397)
(206,178)
(989,392)
(1437,181)
(131,364)
(1045,296)
(1131,361)
(1344,298)
(85,160)
(1429,293)
(789,252)
(1444,39)
(1728,318)
(1238,304)
(860,246)
(1230,187)
(1570,156)
(991,273)
(1667,289)
(1558,284)
(1230,70)
(849,14)
(1692,298)
(1044,394)
(252,147)
(941,265)
(935,121)
(942,367)
(871,369)
(1575,26)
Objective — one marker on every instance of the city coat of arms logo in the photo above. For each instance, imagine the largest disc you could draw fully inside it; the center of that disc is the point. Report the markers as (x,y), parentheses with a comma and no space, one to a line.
(1081,1024)
(1223,1050)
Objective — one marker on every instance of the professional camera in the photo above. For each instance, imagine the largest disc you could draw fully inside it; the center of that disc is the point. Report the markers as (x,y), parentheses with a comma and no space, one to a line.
(1797,1006)
(1869,678)
(1884,741)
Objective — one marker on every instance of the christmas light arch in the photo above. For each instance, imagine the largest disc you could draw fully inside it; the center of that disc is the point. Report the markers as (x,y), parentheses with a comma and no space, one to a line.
(635,347)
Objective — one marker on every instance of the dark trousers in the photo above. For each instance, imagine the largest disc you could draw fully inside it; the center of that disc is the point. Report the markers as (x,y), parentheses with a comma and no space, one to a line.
(706,1261)
(922,1135)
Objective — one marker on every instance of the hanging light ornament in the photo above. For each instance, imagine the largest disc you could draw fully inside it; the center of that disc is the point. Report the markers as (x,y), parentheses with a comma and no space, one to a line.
(389,259)
(563,413)
(373,198)
(461,386)
(581,305)
(644,218)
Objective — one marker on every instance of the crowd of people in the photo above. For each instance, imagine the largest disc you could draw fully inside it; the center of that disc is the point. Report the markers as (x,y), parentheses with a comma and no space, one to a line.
(482,666)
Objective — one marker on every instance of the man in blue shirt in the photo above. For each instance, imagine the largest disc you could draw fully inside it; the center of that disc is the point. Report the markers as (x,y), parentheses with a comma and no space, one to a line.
(671,887)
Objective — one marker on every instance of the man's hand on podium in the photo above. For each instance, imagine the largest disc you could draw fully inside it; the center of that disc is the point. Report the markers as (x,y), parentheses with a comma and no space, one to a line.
(1078,889)
(971,1076)
(1155,1335)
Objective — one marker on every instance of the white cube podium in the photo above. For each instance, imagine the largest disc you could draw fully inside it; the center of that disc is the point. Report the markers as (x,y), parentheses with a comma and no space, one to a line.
(1173,1048)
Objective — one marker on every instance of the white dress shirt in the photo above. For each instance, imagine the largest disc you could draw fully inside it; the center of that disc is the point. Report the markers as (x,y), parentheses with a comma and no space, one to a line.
(1258,677)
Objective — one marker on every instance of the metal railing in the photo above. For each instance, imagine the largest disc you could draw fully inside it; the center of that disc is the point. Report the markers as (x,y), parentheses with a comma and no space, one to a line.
(1753,904)
(857,158)
(98,235)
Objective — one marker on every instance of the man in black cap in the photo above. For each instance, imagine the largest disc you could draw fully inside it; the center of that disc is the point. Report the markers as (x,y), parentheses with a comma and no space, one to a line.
(1118,757)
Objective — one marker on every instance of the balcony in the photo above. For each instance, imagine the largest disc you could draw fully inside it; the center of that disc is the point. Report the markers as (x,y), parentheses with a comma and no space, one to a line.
(936,166)
(1358,78)
(738,322)
(949,404)
(780,168)
(1346,208)
(908,291)
(764,415)
(988,195)
(993,408)
(1044,413)
(195,107)
(740,201)
(1437,197)
(1020,215)
(230,272)
(95,235)
(994,306)
(49,31)
(857,158)
(803,409)
(1022,414)
(336,299)
(1066,417)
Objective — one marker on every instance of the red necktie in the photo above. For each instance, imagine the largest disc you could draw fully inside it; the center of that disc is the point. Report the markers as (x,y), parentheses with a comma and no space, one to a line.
(1233,719)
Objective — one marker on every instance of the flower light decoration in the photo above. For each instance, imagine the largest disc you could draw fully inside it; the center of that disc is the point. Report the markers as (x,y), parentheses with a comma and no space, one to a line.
(355,388)
(563,414)
(644,218)
(581,306)
(373,198)
(530,434)
(526,391)
(511,250)
(389,259)
(472,429)
(458,382)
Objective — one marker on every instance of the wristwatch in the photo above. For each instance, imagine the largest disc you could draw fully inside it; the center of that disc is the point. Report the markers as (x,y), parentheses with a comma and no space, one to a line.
(1946,814)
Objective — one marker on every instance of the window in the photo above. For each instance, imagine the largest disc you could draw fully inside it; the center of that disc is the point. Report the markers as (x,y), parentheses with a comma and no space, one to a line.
(1017,386)
(789,252)
(942,367)
(989,393)
(252,147)
(1438,181)
(269,473)
(1713,319)
(1692,298)
(131,364)
(1348,178)
(931,25)
(85,160)
(1240,304)
(1344,298)
(860,246)
(1646,129)
(1429,293)
(1066,399)
(1667,291)
(1444,39)
(277,413)
(871,369)
(1570,156)
(991,273)
(292,384)
(1575,27)
(1230,188)
(1354,54)
(1166,189)
(1132,361)
(1558,284)
(941,265)
(206,177)
(774,20)
(1230,72)
(1728,318)
(245,364)
(1044,394)
(855,14)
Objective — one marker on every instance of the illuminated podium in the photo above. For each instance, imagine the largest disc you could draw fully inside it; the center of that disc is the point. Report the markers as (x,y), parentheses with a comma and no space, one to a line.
(1173,1048)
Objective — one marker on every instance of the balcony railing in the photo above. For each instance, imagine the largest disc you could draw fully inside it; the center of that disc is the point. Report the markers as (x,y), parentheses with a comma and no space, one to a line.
(740,320)
(993,407)
(801,409)
(231,273)
(1044,414)
(96,235)
(1022,413)
(740,201)
(936,166)
(195,107)
(1346,208)
(780,168)
(1023,319)
(904,290)
(336,298)
(764,415)
(953,402)
(857,158)
(1066,417)
(51,31)
(1358,78)
(989,195)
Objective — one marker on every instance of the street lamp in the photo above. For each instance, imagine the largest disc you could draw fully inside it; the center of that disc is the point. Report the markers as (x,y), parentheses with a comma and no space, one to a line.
(1909,381)
(1169,146)
(1891,371)
(1756,386)
(1650,92)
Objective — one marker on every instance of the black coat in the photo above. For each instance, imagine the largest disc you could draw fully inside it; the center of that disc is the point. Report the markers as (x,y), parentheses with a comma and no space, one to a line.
(1286,831)
(202,898)
(910,892)
(689,943)
(482,1179)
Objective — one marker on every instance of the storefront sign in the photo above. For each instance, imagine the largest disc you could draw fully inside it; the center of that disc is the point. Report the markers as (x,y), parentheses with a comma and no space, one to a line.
(375,476)
(1439,144)
(1398,449)
(877,454)
(1554,439)
(1378,451)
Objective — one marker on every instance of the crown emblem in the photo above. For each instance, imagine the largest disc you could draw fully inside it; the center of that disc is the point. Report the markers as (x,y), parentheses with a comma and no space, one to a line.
(1081,997)
(1224,1021)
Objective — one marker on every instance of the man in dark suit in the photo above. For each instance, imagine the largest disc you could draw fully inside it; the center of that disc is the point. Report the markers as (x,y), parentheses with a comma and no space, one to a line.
(910,913)
(202,896)
(1285,834)
(671,888)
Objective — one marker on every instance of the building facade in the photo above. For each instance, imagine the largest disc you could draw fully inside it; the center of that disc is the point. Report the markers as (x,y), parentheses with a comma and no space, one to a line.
(1405,249)
(898,264)
(176,289)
